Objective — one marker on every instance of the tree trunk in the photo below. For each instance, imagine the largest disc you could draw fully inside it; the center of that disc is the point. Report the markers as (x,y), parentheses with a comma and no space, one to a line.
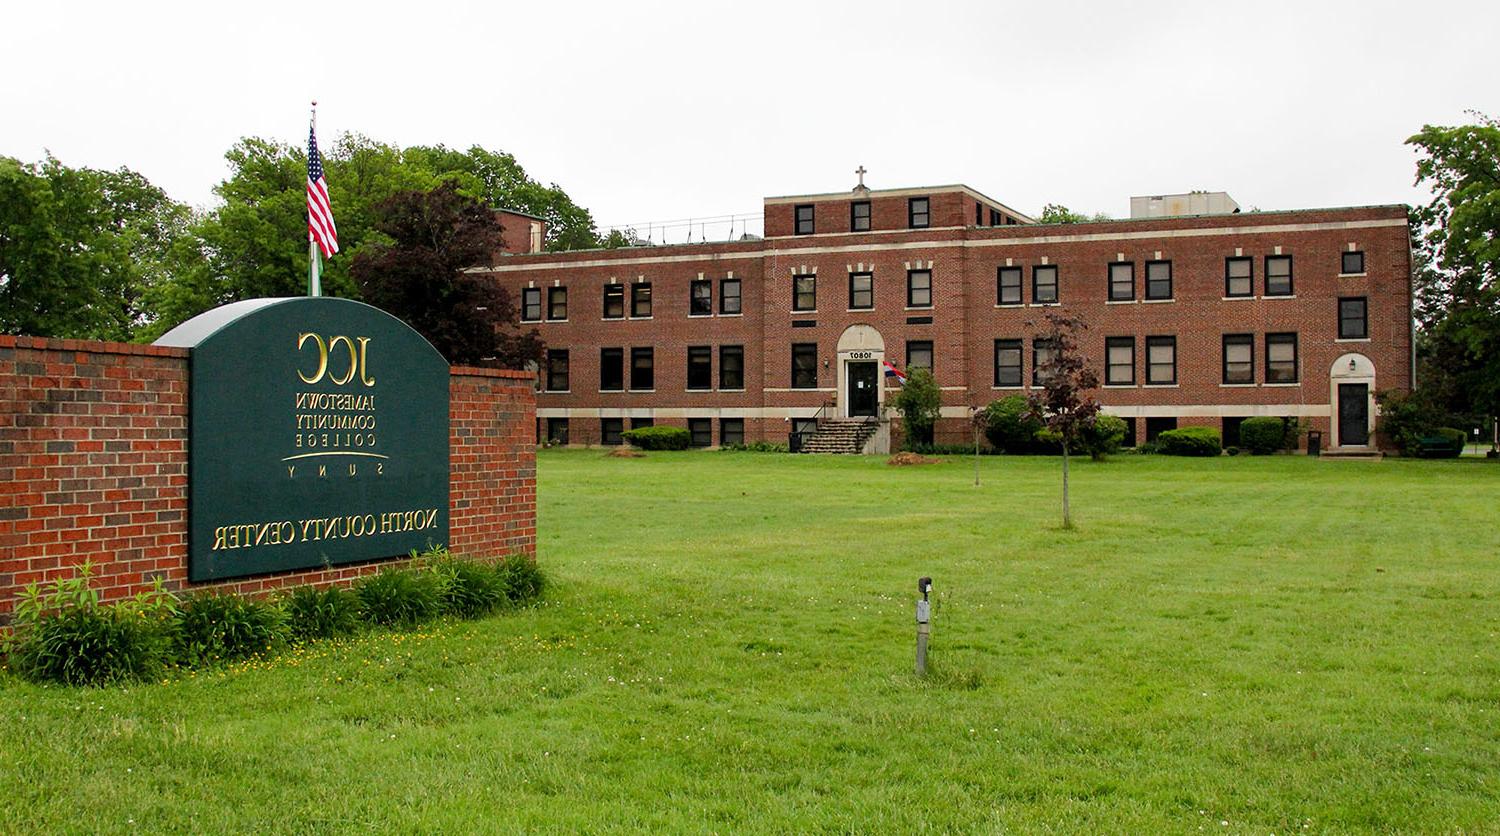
(1067,517)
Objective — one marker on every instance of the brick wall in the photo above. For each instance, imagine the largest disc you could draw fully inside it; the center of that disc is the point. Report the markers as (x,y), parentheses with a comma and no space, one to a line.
(93,455)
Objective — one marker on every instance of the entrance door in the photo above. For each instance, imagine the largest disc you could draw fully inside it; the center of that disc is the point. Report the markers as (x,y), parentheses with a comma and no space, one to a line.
(864,399)
(1354,414)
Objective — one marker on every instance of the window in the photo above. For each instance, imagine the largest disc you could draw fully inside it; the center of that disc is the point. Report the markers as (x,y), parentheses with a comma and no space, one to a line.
(861,291)
(1158,280)
(557,430)
(731,431)
(1157,426)
(1353,321)
(611,369)
(642,423)
(729,296)
(701,432)
(557,370)
(609,431)
(1043,353)
(1119,361)
(1352,263)
(919,354)
(1229,429)
(1007,362)
(640,299)
(804,365)
(531,304)
(1278,275)
(1008,286)
(1239,277)
(614,301)
(1161,361)
(1129,439)
(995,217)
(978,214)
(731,367)
(1044,284)
(804,293)
(1239,358)
(918,212)
(557,303)
(700,373)
(1121,281)
(701,298)
(919,288)
(1281,358)
(859,216)
(804,219)
(642,369)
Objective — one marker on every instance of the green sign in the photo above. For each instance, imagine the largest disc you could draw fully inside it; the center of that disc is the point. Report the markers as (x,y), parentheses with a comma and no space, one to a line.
(318,435)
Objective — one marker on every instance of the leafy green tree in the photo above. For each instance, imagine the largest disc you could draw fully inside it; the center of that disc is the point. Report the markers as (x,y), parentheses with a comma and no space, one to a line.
(920,402)
(1056,213)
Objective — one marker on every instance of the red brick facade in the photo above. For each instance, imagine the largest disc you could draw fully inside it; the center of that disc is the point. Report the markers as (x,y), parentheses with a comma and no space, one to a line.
(93,454)
(966,317)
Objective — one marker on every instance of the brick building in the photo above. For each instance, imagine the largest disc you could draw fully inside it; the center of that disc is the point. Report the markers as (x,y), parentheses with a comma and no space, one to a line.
(1194,320)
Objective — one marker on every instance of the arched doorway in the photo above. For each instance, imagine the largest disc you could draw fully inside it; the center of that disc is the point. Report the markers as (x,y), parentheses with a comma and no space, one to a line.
(860,393)
(1351,394)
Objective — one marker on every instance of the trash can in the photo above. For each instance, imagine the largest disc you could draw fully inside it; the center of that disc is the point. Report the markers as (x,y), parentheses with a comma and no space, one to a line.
(1314,443)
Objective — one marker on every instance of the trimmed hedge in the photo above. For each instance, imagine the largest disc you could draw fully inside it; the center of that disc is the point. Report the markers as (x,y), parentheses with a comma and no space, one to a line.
(659,438)
(1006,426)
(1263,434)
(1189,441)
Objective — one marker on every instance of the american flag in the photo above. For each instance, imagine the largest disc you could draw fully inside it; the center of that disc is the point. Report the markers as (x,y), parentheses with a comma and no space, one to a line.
(892,371)
(320,226)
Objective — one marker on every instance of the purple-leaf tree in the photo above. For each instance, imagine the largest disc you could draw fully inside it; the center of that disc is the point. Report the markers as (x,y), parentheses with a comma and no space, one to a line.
(1065,403)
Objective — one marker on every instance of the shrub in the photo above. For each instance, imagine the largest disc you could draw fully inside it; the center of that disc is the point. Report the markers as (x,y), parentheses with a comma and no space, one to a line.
(950,450)
(400,597)
(314,613)
(1190,441)
(521,578)
(91,646)
(469,589)
(756,447)
(1007,427)
(1102,437)
(919,401)
(215,628)
(1231,451)
(1263,434)
(659,438)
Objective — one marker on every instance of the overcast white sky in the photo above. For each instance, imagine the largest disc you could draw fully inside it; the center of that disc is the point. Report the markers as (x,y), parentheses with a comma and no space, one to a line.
(653,111)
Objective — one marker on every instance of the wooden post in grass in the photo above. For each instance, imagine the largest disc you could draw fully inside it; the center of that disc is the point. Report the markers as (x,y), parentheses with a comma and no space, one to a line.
(924,616)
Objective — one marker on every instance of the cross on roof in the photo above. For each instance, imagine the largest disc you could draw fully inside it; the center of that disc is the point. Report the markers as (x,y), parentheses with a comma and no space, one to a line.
(861,172)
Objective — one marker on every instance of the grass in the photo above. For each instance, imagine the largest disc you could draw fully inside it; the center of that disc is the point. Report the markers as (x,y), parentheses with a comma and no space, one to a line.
(1233,645)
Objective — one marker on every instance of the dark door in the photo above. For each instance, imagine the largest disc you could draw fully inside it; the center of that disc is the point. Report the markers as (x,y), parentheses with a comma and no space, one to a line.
(864,400)
(1354,413)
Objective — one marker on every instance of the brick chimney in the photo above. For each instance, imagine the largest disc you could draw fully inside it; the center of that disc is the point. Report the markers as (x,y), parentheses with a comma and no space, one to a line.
(523,233)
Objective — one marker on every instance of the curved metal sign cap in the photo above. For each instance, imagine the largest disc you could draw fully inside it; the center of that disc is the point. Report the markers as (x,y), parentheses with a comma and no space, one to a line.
(318,436)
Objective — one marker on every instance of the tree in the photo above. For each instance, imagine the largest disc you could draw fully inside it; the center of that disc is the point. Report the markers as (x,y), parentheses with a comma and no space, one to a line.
(1064,404)
(919,402)
(1056,213)
(420,275)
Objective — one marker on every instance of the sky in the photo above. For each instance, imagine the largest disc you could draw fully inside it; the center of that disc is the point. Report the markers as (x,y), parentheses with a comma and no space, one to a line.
(648,112)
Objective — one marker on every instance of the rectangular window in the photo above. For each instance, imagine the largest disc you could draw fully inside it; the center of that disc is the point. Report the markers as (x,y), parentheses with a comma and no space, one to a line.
(614,301)
(1158,280)
(611,369)
(1239,277)
(1352,263)
(701,298)
(1129,439)
(804,219)
(729,296)
(1119,361)
(731,431)
(640,300)
(642,423)
(804,293)
(700,373)
(804,365)
(557,430)
(919,354)
(859,216)
(557,303)
(1008,286)
(1044,284)
(642,369)
(557,370)
(1161,361)
(978,214)
(918,213)
(1239,358)
(919,288)
(731,367)
(995,217)
(861,291)
(1121,281)
(610,430)
(1043,353)
(1229,429)
(1157,426)
(1007,362)
(531,304)
(701,432)
(1281,358)
(1353,318)
(1278,275)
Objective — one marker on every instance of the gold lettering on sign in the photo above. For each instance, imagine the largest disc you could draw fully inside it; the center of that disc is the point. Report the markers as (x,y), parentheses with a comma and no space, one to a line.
(341,527)
(353,359)
(364,363)
(322,357)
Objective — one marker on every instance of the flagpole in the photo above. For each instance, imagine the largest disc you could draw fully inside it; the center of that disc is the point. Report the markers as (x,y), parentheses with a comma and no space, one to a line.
(314,263)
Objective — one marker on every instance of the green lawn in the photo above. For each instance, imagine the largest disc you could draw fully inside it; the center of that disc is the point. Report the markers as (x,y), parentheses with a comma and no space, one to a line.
(1234,645)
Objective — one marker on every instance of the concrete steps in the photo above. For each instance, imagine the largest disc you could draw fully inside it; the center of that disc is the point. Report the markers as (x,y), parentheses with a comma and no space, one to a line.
(841,436)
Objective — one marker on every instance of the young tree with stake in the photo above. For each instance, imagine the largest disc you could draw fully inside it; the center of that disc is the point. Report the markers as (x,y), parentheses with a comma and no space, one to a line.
(1065,404)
